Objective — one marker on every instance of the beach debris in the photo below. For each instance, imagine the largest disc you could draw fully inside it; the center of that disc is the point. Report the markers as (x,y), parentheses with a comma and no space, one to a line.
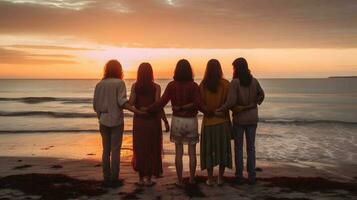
(56,167)
(283,198)
(258,169)
(310,184)
(193,190)
(52,186)
(133,194)
(47,148)
(23,166)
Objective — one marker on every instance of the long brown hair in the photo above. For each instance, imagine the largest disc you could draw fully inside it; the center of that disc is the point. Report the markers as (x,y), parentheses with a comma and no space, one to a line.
(183,71)
(145,79)
(242,72)
(213,75)
(113,69)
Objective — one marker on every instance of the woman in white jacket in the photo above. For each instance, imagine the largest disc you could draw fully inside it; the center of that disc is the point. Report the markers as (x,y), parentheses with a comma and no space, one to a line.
(109,101)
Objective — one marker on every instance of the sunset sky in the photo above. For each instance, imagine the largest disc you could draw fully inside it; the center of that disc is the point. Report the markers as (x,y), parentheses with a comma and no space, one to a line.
(279,38)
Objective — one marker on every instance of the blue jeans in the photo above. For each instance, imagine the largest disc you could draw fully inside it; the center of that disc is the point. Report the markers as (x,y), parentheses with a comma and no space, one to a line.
(250,132)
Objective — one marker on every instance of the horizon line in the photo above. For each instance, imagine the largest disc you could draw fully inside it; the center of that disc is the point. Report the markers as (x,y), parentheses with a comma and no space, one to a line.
(171,78)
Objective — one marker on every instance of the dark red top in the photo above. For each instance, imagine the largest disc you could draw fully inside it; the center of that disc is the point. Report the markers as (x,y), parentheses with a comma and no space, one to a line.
(145,99)
(180,94)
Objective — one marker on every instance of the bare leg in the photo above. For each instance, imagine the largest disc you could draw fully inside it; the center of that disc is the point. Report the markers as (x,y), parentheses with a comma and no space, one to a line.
(220,174)
(193,161)
(178,161)
(150,182)
(141,180)
(210,176)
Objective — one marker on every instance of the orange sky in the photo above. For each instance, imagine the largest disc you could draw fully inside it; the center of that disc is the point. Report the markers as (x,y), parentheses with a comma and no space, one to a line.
(73,39)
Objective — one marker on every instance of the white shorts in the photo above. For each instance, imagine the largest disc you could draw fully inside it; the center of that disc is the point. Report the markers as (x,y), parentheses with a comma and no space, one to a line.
(184,130)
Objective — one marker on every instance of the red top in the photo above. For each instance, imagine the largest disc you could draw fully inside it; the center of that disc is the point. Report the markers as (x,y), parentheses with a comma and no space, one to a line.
(144,99)
(180,94)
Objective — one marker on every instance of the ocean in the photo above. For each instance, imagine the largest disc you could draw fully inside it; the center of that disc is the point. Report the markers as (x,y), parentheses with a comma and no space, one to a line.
(301,120)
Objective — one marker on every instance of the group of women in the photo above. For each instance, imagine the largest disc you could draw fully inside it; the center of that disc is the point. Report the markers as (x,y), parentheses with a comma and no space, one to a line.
(214,97)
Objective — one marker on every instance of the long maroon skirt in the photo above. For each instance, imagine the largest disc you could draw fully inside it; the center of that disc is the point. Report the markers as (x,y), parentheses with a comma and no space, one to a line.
(147,146)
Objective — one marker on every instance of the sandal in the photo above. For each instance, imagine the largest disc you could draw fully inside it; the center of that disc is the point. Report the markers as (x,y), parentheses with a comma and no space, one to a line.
(179,184)
(140,183)
(209,183)
(150,183)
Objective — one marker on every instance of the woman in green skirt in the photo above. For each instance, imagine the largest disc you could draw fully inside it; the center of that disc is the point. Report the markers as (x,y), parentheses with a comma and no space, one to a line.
(216,130)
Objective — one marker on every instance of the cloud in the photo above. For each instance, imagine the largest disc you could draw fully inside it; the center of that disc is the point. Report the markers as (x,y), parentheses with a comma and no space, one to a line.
(66,4)
(49,47)
(51,56)
(8,56)
(189,24)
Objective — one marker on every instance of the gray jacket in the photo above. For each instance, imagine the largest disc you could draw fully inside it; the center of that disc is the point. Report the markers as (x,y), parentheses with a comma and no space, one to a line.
(243,96)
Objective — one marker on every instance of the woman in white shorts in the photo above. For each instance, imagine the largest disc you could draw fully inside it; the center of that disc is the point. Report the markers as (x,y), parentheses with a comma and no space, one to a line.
(185,98)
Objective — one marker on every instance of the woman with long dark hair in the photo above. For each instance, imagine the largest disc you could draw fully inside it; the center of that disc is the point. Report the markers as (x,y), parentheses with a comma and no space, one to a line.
(147,132)
(108,102)
(245,93)
(216,130)
(185,99)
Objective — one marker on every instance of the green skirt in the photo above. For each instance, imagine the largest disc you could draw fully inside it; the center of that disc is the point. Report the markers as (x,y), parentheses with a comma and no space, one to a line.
(216,146)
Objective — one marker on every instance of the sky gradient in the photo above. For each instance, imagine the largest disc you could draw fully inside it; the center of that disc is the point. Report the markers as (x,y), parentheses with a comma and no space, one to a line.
(279,38)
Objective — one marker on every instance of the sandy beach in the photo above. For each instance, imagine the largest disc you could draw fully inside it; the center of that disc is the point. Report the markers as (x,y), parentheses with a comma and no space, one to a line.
(67,166)
(272,81)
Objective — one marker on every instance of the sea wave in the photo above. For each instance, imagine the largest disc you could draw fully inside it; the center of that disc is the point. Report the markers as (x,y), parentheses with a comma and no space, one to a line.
(304,121)
(48,114)
(63,100)
(51,114)
(56,131)
(57,114)
(37,100)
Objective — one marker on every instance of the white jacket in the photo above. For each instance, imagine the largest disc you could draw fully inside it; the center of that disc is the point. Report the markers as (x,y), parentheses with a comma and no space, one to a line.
(109,97)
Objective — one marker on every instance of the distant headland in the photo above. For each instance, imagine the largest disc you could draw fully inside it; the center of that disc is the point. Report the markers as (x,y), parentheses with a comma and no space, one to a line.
(342,77)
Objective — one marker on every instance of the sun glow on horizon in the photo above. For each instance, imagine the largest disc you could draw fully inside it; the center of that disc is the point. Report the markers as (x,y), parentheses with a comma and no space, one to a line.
(87,60)
(41,57)
(73,39)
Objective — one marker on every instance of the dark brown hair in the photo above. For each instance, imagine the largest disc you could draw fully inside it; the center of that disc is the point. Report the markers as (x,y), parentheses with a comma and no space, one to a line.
(213,75)
(145,79)
(242,72)
(183,71)
(113,69)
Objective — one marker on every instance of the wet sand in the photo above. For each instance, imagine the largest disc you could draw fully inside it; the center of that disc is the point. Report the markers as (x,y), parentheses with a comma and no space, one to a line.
(53,178)
(68,166)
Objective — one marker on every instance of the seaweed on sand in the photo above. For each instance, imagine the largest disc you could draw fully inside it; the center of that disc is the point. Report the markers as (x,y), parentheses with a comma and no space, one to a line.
(310,184)
(283,198)
(193,190)
(133,194)
(52,186)
(23,166)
